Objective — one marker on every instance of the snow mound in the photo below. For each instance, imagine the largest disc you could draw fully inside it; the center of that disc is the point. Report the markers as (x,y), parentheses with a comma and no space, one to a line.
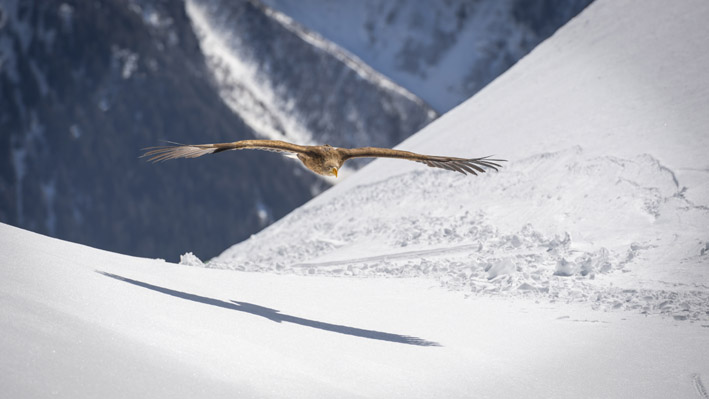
(190,259)
(555,237)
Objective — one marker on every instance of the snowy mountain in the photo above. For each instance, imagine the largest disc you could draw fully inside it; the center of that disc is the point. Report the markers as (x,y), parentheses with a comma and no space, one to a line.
(289,83)
(579,270)
(85,85)
(442,51)
(604,199)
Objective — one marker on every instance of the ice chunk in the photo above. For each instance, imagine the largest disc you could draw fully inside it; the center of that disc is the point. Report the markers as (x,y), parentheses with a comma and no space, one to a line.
(190,259)
(504,266)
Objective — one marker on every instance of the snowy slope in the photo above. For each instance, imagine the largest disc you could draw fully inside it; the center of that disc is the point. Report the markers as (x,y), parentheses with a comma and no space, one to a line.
(604,201)
(78,322)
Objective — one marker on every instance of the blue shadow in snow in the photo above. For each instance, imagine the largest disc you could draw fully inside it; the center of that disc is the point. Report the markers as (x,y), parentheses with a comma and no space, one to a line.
(275,315)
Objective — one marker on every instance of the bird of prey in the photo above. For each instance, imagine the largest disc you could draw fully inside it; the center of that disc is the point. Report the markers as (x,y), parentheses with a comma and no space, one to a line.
(322,159)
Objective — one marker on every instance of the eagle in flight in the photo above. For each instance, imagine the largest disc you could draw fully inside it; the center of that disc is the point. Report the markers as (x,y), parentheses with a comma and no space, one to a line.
(322,159)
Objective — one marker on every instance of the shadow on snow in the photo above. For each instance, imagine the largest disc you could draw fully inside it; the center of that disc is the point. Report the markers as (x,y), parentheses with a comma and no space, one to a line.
(274,315)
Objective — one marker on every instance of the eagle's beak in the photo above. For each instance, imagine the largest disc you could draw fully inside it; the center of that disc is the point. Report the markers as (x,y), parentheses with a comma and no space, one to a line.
(334,171)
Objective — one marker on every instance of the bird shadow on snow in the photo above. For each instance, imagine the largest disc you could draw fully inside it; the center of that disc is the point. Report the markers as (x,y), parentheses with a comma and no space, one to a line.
(275,315)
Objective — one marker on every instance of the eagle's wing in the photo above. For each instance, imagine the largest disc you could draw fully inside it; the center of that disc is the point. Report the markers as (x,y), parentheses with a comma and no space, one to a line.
(462,165)
(157,154)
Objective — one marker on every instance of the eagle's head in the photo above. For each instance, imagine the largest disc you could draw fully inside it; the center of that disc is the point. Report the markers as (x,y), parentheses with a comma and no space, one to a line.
(330,169)
(331,161)
(323,160)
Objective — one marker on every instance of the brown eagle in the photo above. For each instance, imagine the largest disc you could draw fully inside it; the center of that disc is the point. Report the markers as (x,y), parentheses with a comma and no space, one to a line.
(322,159)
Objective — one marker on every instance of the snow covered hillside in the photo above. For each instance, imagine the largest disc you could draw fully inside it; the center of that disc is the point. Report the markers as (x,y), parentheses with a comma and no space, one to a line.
(78,322)
(605,200)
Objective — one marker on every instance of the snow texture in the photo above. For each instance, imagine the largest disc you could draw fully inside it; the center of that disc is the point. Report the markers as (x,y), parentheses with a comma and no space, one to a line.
(593,219)
(81,322)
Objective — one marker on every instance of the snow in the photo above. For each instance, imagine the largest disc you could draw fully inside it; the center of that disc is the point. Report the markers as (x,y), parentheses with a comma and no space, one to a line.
(81,322)
(571,237)
(579,270)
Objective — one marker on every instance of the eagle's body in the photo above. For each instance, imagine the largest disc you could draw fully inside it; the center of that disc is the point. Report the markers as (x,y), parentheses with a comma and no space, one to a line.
(323,159)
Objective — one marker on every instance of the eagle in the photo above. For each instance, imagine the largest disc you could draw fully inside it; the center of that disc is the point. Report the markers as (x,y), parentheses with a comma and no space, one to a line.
(322,159)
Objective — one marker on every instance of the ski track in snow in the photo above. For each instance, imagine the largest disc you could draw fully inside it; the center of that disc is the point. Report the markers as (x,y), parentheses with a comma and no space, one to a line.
(559,254)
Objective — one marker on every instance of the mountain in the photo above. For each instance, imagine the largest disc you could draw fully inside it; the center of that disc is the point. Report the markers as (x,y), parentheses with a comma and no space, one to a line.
(579,270)
(604,199)
(86,85)
(442,51)
(289,83)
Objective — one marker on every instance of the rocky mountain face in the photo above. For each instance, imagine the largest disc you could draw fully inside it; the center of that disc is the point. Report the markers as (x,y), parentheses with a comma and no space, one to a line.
(290,83)
(84,85)
(442,51)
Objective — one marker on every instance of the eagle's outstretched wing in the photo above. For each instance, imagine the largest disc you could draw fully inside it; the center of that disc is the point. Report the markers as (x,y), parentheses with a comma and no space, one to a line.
(324,160)
(462,165)
(157,154)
